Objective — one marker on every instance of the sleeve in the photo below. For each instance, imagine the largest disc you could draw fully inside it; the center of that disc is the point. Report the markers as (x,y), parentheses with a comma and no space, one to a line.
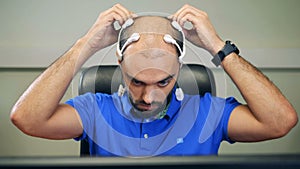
(85,105)
(215,113)
(230,104)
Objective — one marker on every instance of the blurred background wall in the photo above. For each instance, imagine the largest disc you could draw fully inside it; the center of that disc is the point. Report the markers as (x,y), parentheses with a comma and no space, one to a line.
(35,33)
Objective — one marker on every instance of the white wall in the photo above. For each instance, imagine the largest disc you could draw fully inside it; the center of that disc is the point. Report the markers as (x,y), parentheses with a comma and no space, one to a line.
(34,33)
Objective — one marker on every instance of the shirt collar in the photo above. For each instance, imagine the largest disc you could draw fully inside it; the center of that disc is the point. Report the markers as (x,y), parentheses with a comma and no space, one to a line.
(124,106)
(173,107)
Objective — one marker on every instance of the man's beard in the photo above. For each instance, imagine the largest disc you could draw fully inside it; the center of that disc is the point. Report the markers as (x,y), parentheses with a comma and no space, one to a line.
(145,114)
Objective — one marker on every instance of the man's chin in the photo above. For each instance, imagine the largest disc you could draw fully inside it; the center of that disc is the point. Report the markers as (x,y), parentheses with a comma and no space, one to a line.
(147,112)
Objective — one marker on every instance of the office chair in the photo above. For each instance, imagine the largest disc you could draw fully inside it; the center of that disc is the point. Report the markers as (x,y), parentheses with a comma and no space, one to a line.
(193,79)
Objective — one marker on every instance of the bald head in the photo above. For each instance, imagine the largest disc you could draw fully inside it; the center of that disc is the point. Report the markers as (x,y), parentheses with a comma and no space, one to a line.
(150,51)
(150,25)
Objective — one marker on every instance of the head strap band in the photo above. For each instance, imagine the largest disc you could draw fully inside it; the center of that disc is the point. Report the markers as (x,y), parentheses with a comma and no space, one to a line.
(136,36)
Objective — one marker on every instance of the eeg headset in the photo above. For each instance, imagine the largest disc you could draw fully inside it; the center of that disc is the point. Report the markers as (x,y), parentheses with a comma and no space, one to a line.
(135,37)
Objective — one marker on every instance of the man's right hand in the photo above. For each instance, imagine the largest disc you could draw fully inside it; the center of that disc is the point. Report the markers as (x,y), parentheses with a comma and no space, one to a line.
(103,33)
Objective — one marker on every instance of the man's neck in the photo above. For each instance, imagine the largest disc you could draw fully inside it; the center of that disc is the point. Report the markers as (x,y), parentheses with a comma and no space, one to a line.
(159,114)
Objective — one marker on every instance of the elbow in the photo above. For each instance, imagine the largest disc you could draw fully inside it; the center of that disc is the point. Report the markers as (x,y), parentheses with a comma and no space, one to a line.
(287,124)
(292,121)
(15,118)
(18,118)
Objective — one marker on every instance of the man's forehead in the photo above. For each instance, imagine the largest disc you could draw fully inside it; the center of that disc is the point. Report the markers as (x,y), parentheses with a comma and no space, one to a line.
(150,59)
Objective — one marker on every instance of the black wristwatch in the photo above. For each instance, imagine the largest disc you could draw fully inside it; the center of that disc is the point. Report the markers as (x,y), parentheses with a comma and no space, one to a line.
(227,49)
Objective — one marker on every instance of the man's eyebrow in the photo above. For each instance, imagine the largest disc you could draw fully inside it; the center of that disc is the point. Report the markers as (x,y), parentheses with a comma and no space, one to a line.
(165,79)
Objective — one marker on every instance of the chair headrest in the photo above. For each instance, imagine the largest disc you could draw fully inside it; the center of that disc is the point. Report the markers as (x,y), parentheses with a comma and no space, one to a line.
(193,79)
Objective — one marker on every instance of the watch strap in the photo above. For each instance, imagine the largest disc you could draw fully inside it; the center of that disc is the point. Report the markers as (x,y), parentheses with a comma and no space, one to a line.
(226,50)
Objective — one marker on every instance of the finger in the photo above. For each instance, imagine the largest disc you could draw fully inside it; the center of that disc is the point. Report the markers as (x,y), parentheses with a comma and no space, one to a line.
(185,11)
(116,13)
(180,11)
(192,15)
(189,17)
(123,12)
(175,15)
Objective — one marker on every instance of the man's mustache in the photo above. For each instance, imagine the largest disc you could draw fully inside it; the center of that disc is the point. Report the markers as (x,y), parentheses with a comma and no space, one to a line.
(148,104)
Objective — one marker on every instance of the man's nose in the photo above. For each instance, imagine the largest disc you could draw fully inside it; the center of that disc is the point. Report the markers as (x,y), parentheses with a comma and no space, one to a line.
(150,93)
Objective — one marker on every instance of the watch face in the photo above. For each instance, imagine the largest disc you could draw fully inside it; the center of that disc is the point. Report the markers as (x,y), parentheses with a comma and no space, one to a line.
(229,48)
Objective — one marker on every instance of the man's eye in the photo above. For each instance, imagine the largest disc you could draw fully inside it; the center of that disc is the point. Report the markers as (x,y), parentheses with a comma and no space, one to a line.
(163,83)
(136,82)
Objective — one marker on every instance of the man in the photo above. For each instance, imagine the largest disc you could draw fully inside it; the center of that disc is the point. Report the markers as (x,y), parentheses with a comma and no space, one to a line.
(151,117)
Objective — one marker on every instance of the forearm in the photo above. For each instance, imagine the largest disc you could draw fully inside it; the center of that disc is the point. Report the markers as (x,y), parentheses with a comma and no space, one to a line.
(40,100)
(264,99)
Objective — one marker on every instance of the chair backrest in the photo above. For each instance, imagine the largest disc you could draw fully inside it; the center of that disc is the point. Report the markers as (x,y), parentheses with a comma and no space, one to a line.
(193,79)
(107,78)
